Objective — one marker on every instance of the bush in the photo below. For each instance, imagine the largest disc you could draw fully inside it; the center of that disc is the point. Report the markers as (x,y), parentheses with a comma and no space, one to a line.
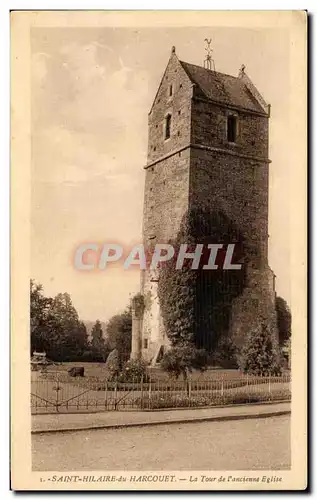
(260,354)
(183,359)
(226,354)
(119,335)
(161,401)
(134,370)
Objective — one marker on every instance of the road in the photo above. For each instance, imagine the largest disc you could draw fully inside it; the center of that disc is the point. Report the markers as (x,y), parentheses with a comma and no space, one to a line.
(230,445)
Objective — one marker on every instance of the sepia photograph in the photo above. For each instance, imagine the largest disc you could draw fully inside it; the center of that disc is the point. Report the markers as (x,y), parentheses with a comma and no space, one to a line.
(160,312)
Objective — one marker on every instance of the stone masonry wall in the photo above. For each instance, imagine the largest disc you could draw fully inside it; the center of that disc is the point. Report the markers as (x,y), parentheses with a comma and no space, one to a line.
(178,105)
(166,201)
(237,188)
(235,183)
(197,166)
(209,127)
(166,193)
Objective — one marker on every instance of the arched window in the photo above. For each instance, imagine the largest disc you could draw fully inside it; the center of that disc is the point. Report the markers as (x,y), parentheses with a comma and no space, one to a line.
(168,122)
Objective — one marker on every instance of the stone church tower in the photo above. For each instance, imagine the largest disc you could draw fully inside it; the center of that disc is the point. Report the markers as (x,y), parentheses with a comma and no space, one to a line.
(208,147)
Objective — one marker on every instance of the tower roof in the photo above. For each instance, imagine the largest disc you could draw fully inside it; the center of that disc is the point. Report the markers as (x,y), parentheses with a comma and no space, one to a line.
(224,88)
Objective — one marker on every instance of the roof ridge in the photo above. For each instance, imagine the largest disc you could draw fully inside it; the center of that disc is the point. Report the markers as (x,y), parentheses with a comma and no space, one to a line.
(212,71)
(222,87)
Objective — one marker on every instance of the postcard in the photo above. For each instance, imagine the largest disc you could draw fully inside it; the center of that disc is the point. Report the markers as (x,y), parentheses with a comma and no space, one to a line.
(158,250)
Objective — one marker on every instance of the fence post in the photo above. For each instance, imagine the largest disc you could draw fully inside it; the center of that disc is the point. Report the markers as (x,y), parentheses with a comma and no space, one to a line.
(222,387)
(106,394)
(115,393)
(270,386)
(142,392)
(189,391)
(57,391)
(150,394)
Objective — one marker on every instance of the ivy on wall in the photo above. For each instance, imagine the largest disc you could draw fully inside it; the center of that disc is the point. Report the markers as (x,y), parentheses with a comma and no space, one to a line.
(196,304)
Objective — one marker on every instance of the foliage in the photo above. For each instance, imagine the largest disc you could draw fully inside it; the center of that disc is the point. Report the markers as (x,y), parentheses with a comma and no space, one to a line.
(119,334)
(260,354)
(55,325)
(134,370)
(98,346)
(40,318)
(287,353)
(70,335)
(138,303)
(159,401)
(97,333)
(196,304)
(284,319)
(57,329)
(181,360)
(226,354)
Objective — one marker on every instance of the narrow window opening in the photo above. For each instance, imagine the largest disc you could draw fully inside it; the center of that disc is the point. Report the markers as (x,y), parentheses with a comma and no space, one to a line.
(170,90)
(232,129)
(146,343)
(168,121)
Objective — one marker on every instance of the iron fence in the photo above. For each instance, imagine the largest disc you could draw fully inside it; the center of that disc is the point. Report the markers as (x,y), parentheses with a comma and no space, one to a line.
(58,392)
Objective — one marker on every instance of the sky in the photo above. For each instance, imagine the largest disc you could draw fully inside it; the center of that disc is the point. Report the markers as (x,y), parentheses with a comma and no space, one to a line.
(92,89)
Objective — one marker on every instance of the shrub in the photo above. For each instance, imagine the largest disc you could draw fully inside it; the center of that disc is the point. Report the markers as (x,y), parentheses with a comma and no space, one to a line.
(119,335)
(134,370)
(284,319)
(226,354)
(183,359)
(260,354)
(161,401)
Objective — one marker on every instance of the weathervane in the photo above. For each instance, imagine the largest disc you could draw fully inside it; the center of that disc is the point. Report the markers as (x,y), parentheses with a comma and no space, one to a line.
(209,63)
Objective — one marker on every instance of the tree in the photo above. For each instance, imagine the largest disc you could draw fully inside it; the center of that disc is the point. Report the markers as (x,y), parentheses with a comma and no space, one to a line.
(40,318)
(284,320)
(55,326)
(67,332)
(97,334)
(183,359)
(119,334)
(98,342)
(82,338)
(260,354)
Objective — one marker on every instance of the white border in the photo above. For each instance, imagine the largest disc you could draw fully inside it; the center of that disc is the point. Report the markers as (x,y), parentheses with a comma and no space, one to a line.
(4,138)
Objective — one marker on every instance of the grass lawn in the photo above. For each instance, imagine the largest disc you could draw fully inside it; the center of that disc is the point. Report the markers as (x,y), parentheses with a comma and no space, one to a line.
(98,370)
(92,390)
